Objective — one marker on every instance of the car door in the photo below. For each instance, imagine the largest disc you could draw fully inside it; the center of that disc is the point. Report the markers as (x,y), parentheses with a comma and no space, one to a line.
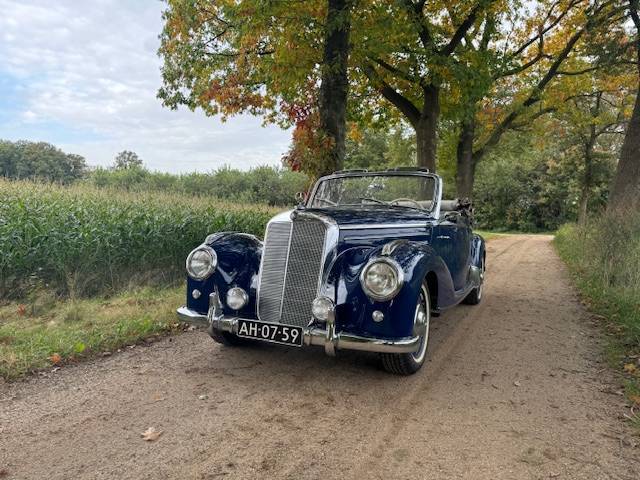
(452,241)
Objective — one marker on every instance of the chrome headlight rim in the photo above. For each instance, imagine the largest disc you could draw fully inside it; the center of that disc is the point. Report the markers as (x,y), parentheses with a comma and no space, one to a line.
(212,265)
(399,279)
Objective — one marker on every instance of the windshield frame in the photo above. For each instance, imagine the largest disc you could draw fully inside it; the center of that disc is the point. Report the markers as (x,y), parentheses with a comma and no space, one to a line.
(437,193)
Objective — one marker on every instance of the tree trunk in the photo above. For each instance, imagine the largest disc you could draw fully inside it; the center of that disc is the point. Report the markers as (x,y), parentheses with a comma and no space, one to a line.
(427,129)
(587,177)
(466,163)
(626,184)
(334,82)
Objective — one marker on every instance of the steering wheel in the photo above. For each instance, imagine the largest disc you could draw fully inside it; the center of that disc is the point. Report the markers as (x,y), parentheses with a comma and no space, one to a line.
(404,199)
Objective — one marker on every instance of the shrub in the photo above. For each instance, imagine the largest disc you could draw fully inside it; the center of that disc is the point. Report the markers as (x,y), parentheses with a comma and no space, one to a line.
(82,240)
(604,255)
(268,185)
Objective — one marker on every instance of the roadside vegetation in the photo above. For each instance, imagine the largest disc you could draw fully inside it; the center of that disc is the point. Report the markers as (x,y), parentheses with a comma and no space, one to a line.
(604,258)
(86,270)
(45,331)
(82,241)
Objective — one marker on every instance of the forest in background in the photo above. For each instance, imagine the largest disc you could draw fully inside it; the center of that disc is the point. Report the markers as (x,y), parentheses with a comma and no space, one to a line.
(531,182)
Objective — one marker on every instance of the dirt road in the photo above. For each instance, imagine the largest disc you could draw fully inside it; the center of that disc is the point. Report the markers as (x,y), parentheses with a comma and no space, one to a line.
(514,388)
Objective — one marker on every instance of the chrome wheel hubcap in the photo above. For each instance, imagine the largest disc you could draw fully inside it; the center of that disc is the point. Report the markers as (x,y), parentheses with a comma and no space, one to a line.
(421,325)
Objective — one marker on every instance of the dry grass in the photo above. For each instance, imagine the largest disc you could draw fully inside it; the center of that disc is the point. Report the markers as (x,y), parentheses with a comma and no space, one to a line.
(39,334)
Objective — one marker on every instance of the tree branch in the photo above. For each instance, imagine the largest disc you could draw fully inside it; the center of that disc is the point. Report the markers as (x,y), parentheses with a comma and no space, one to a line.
(415,13)
(544,30)
(396,71)
(463,28)
(402,103)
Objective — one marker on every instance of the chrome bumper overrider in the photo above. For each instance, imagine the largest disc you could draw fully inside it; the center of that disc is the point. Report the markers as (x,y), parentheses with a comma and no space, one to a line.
(327,338)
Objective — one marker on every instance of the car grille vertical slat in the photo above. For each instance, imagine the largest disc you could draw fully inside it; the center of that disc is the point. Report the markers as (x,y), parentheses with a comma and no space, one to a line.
(272,275)
(306,257)
(293,258)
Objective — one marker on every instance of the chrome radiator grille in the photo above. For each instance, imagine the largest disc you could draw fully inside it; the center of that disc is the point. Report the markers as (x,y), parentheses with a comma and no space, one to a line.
(293,256)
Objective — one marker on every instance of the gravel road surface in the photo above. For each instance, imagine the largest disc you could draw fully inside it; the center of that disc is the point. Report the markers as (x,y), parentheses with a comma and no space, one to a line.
(515,388)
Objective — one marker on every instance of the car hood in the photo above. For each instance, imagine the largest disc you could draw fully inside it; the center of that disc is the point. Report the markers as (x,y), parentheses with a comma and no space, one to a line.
(372,215)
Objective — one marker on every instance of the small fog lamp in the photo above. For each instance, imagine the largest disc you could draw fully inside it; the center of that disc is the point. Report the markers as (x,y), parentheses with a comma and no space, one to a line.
(237,298)
(321,307)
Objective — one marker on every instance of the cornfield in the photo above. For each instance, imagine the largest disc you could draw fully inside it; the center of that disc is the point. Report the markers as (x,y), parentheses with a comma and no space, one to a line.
(83,241)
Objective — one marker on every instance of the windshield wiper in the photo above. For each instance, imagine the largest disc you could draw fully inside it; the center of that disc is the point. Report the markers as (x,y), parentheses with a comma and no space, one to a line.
(375,200)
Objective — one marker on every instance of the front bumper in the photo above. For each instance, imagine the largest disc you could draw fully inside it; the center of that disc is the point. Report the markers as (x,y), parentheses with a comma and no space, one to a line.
(327,338)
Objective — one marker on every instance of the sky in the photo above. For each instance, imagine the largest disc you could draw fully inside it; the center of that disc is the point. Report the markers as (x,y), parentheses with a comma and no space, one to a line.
(83,75)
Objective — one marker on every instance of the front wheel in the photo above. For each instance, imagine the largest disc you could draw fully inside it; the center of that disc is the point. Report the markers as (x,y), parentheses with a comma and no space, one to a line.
(409,363)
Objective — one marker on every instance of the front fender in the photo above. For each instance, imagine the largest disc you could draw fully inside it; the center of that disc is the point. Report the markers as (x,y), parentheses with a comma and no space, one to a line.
(239,257)
(354,308)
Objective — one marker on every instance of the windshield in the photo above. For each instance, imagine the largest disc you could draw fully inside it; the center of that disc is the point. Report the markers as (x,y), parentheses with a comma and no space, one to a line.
(407,191)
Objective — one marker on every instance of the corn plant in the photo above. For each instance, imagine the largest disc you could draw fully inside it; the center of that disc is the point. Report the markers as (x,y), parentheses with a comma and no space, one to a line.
(83,241)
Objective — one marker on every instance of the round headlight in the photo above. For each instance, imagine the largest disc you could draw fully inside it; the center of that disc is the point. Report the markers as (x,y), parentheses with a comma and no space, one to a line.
(381,279)
(201,262)
(321,307)
(237,298)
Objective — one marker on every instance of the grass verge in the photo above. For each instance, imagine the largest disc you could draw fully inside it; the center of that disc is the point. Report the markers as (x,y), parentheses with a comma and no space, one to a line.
(47,332)
(604,260)
(489,235)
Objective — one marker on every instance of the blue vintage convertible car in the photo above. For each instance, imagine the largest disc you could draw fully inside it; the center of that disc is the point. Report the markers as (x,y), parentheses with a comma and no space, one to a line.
(363,264)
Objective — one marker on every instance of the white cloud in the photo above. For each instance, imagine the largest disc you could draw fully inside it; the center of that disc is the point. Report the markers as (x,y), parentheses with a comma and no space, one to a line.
(91,69)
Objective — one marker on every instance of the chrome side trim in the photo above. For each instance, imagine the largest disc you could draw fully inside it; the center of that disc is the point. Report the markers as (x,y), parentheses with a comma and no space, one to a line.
(372,226)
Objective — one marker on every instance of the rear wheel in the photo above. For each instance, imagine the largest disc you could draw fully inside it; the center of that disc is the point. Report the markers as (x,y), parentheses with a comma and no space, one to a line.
(409,363)
(475,296)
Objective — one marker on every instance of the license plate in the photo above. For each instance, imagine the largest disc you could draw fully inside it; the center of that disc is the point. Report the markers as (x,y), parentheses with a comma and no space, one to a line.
(270,332)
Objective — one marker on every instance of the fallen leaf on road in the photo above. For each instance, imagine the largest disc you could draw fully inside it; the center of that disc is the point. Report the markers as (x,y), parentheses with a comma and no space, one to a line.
(56,359)
(516,383)
(151,435)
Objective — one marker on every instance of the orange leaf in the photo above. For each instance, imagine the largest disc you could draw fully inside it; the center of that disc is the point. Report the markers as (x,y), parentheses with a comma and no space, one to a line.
(151,434)
(22,310)
(56,359)
(635,399)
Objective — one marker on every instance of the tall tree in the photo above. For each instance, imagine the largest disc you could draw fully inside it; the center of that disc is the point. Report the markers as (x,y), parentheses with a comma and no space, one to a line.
(127,160)
(39,160)
(626,185)
(334,85)
(524,66)
(407,54)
